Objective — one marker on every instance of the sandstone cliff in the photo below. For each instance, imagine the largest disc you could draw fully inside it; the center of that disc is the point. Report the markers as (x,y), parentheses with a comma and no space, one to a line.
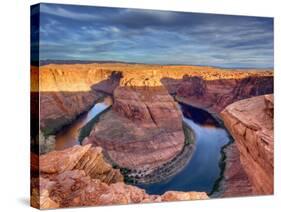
(250,122)
(215,95)
(235,182)
(142,131)
(66,93)
(69,90)
(79,176)
(143,113)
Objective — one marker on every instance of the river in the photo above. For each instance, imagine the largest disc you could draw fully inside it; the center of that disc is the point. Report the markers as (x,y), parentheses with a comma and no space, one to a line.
(68,137)
(202,171)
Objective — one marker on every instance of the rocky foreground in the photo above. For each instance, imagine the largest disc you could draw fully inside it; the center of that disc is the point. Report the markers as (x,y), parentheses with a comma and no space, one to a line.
(79,176)
(250,122)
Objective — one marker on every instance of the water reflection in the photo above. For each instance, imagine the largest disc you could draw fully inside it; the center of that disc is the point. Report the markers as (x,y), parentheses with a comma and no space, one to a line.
(203,169)
(69,136)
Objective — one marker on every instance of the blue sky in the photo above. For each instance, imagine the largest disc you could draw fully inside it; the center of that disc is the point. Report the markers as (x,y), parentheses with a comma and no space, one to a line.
(69,32)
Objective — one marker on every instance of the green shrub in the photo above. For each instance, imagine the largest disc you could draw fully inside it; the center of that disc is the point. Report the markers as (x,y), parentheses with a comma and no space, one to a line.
(188,134)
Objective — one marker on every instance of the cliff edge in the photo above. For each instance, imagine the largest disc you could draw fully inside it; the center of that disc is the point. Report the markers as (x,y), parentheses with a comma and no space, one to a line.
(250,122)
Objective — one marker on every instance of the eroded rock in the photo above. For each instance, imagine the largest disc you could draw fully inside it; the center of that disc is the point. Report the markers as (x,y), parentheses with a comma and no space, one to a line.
(251,124)
(215,95)
(82,185)
(142,131)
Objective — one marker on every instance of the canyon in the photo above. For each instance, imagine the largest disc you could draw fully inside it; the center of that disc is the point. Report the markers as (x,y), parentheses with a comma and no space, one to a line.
(144,130)
(79,176)
(250,122)
(68,90)
(135,134)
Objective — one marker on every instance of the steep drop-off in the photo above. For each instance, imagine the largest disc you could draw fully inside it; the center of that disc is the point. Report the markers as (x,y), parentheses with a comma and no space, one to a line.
(142,112)
(79,176)
(215,95)
(250,122)
(142,131)
(69,90)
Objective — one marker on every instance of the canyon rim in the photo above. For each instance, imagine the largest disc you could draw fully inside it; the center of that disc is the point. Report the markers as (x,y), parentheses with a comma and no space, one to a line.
(137,106)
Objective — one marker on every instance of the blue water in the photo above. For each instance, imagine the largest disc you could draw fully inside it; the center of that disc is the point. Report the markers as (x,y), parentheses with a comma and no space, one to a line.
(203,169)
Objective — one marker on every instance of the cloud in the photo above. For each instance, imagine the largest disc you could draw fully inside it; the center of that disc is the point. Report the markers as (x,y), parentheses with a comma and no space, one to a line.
(149,36)
(61,12)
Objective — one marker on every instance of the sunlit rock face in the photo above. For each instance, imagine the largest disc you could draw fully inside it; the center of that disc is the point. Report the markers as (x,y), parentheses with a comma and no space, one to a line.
(142,131)
(250,122)
(69,90)
(75,188)
(79,176)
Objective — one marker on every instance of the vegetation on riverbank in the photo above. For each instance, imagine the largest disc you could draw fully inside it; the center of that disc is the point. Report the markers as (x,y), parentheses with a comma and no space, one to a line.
(170,168)
(222,164)
(188,134)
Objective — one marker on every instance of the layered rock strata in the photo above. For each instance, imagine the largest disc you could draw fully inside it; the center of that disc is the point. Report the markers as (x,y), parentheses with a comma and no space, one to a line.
(66,93)
(79,176)
(215,95)
(69,90)
(250,122)
(235,181)
(142,131)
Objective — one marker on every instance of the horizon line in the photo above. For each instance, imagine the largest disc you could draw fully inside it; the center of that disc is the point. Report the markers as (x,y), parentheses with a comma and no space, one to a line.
(69,62)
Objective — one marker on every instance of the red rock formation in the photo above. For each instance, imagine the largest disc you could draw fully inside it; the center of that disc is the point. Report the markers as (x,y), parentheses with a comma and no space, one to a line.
(83,178)
(69,90)
(251,124)
(142,131)
(61,108)
(215,95)
(75,188)
(66,92)
(236,182)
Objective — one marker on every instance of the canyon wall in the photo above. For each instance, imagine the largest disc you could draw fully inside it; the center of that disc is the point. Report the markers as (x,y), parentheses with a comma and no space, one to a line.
(250,122)
(143,111)
(142,131)
(235,182)
(215,95)
(79,176)
(69,90)
(65,93)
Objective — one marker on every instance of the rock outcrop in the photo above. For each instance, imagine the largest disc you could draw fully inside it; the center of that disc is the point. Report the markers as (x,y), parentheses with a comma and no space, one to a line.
(250,122)
(142,131)
(81,177)
(85,158)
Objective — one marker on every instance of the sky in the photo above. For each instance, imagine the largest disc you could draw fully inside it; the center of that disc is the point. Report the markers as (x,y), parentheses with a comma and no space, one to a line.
(71,32)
